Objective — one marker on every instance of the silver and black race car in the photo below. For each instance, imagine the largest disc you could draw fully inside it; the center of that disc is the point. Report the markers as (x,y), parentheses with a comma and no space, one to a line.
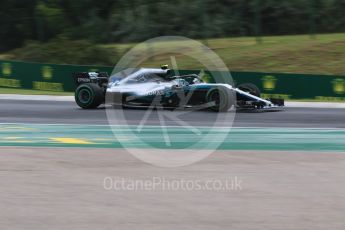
(159,88)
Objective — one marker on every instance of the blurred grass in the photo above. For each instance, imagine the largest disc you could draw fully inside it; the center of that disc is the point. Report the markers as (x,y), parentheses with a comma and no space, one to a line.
(281,54)
(62,50)
(286,54)
(32,92)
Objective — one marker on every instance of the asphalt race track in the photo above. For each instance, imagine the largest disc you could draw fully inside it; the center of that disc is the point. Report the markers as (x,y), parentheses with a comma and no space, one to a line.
(46,112)
(289,169)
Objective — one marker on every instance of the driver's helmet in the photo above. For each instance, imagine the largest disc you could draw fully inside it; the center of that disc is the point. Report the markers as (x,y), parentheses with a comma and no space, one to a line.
(165,66)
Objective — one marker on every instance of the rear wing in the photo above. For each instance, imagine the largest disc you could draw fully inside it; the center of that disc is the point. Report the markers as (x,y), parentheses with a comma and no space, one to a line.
(91,77)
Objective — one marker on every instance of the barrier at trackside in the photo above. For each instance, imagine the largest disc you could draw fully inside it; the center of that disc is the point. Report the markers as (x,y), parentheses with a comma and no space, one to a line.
(39,76)
(52,77)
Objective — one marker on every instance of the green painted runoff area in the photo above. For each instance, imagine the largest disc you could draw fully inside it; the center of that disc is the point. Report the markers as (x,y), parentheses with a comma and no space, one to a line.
(103,136)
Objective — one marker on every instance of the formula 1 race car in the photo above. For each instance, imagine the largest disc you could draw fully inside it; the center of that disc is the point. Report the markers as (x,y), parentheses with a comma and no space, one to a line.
(159,88)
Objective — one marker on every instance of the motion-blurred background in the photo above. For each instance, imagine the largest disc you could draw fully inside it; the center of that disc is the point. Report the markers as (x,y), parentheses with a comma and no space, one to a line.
(247,34)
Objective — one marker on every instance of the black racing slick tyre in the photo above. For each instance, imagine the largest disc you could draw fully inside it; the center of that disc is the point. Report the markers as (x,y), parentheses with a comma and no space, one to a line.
(89,96)
(250,88)
(220,99)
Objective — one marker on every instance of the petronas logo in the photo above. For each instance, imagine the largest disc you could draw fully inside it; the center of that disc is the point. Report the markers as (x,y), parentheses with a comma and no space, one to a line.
(47,72)
(339,86)
(269,82)
(6,69)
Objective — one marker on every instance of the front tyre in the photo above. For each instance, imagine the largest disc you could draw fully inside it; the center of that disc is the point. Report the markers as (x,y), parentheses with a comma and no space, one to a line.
(219,99)
(250,88)
(89,95)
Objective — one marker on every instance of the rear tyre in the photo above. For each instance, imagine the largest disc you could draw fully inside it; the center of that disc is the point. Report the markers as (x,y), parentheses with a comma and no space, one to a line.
(221,99)
(89,96)
(250,88)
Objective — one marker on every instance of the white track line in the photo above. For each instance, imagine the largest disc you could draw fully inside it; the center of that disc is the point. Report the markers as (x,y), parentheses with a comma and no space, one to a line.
(331,105)
(170,126)
(35,97)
